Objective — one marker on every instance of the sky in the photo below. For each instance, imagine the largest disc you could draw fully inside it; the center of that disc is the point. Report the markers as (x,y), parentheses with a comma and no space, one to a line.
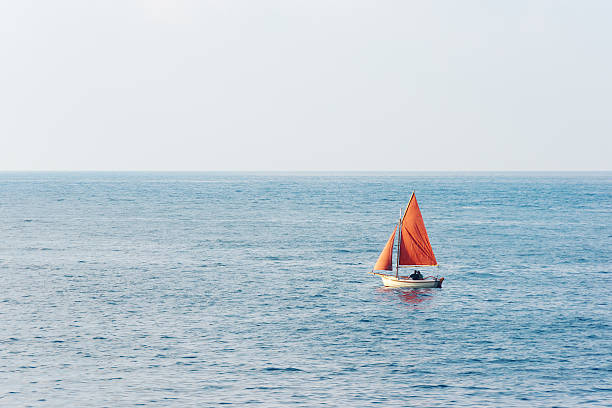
(288,85)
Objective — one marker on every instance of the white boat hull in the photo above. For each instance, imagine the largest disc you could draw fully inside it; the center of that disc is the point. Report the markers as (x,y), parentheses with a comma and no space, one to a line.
(406,282)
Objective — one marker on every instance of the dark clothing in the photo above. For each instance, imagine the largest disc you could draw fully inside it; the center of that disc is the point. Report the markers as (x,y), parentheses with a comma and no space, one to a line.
(416,275)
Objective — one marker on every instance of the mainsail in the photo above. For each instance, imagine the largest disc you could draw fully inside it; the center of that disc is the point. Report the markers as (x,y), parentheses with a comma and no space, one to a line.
(384,262)
(414,247)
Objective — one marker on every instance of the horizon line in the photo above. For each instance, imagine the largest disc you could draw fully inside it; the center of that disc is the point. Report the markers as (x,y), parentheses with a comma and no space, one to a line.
(303,171)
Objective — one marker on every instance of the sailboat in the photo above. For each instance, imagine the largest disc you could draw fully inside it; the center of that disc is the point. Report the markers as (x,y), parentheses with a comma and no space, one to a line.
(413,251)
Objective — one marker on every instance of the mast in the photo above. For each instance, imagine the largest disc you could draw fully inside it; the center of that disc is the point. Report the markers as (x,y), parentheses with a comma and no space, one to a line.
(399,239)
(399,236)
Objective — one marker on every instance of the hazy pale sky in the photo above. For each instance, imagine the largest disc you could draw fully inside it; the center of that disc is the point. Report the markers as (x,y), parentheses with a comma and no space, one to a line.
(305,85)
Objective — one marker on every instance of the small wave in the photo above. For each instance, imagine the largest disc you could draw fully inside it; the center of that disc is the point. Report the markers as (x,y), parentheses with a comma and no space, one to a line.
(428,386)
(282,369)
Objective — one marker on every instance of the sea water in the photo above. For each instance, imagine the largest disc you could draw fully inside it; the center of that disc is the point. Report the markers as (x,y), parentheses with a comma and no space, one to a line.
(209,289)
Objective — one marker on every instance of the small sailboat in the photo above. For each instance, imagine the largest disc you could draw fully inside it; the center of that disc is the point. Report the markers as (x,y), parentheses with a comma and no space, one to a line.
(413,251)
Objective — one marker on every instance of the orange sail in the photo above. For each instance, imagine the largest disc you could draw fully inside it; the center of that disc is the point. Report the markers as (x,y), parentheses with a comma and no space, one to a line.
(384,262)
(415,248)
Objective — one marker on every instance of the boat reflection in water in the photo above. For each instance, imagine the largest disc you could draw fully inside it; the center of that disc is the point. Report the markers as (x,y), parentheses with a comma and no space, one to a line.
(413,297)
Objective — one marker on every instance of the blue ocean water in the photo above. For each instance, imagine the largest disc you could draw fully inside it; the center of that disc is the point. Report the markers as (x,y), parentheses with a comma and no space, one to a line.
(196,289)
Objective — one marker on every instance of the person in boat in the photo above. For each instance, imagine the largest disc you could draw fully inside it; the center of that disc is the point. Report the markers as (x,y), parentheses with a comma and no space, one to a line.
(416,275)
